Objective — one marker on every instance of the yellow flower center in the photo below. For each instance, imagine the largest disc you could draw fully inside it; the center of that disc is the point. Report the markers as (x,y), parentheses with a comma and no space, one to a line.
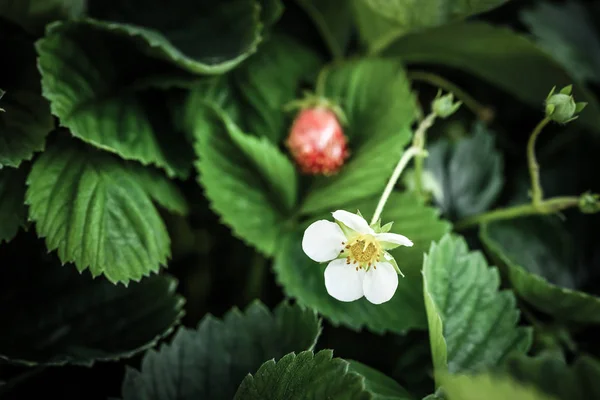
(364,250)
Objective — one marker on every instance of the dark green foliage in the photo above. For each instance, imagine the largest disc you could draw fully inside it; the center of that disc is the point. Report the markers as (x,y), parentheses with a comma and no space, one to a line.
(154,217)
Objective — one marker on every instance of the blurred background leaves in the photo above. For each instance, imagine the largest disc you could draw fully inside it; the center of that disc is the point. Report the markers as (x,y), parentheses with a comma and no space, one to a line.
(130,89)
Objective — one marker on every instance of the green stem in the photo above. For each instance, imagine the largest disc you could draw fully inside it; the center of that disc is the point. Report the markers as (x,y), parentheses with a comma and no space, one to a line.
(534,169)
(486,114)
(408,154)
(545,207)
(320,85)
(419,175)
(419,140)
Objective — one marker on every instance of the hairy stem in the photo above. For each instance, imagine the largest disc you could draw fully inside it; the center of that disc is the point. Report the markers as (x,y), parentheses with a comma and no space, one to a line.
(484,113)
(419,141)
(545,207)
(404,160)
(534,169)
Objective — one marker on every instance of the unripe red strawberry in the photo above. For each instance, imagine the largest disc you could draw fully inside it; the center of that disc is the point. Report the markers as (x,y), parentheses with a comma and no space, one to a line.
(317,141)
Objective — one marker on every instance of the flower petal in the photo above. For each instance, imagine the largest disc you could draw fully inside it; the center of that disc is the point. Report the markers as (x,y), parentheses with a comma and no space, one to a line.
(380,283)
(392,240)
(343,282)
(352,221)
(323,240)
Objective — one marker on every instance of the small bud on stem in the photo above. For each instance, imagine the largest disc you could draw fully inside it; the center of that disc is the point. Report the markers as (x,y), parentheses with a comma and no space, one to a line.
(561,107)
(444,106)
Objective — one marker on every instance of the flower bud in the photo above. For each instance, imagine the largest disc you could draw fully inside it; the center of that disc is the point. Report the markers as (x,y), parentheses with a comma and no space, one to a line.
(561,107)
(317,141)
(444,106)
(589,203)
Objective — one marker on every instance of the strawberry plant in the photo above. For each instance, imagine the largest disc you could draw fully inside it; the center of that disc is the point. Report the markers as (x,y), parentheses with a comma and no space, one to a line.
(301,199)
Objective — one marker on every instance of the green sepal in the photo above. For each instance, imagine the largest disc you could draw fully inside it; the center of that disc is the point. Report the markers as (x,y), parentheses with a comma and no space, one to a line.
(387,227)
(388,257)
(580,106)
(340,256)
(443,105)
(389,245)
(348,232)
(376,226)
(567,90)
(571,119)
(312,100)
(561,107)
(589,203)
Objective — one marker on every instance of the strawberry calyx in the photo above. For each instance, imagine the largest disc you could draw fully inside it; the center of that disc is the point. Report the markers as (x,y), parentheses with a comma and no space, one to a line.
(312,100)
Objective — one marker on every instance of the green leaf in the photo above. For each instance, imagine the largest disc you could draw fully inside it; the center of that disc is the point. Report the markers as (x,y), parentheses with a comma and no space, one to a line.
(553,376)
(270,79)
(90,207)
(162,190)
(413,364)
(568,34)
(469,171)
(472,325)
(203,37)
(271,11)
(24,124)
(540,262)
(376,98)
(248,181)
(303,376)
(34,15)
(377,30)
(111,108)
(381,21)
(302,278)
(381,386)
(467,387)
(255,94)
(58,316)
(498,55)
(12,198)
(333,19)
(25,120)
(211,361)
(217,90)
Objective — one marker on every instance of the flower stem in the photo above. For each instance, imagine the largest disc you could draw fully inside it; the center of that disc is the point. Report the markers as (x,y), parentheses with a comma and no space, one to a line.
(545,207)
(419,140)
(404,160)
(484,113)
(534,169)
(320,85)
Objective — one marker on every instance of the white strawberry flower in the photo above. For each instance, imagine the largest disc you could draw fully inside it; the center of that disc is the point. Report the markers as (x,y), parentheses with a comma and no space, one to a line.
(359,264)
